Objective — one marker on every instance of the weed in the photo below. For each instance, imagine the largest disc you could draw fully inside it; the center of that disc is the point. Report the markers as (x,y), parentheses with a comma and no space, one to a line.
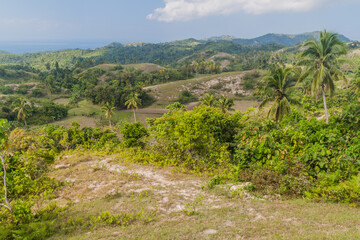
(110,197)
(140,196)
(237,193)
(97,167)
(217,86)
(215,181)
(191,208)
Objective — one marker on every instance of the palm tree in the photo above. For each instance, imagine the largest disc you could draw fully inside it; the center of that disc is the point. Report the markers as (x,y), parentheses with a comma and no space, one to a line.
(108,109)
(225,103)
(320,60)
(133,102)
(279,82)
(21,110)
(209,100)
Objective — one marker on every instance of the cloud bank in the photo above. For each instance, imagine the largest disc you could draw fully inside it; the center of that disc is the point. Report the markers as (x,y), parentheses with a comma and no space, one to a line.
(183,10)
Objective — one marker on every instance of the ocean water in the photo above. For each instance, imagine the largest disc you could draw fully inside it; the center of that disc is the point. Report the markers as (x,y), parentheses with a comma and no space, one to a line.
(19,47)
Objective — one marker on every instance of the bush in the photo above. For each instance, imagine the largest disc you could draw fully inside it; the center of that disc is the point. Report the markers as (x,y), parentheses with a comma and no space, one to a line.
(346,192)
(37,93)
(23,89)
(6,90)
(200,139)
(133,134)
(185,97)
(250,80)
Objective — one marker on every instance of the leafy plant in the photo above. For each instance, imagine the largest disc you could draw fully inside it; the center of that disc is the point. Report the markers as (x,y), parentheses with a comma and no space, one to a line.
(133,133)
(192,208)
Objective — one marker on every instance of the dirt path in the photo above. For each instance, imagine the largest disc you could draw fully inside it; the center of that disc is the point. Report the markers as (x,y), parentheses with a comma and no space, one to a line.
(173,189)
(164,198)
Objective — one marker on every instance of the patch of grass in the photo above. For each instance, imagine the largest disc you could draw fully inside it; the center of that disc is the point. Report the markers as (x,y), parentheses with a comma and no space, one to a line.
(88,114)
(145,67)
(167,93)
(61,100)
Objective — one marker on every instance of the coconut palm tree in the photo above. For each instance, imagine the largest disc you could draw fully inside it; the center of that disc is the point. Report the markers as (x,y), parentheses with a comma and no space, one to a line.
(21,110)
(320,61)
(133,102)
(108,109)
(279,82)
(225,103)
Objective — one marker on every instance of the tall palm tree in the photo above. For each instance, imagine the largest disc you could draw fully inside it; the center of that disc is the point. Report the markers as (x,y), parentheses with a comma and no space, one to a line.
(108,109)
(279,82)
(21,110)
(320,61)
(133,102)
(225,103)
(209,100)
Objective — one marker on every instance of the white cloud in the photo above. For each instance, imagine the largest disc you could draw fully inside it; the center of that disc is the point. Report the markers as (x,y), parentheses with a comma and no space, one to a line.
(182,10)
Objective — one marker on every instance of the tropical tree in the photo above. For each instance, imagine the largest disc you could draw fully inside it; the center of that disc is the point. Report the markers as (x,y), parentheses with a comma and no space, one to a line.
(225,103)
(21,110)
(320,61)
(176,106)
(209,100)
(278,83)
(3,146)
(108,109)
(133,102)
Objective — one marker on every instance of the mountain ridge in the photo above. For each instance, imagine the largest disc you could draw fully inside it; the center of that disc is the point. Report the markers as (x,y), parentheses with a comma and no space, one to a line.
(269,38)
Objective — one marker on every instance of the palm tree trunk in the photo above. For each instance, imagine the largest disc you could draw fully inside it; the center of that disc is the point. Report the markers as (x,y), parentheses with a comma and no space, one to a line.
(325,107)
(8,206)
(109,122)
(134,115)
(25,122)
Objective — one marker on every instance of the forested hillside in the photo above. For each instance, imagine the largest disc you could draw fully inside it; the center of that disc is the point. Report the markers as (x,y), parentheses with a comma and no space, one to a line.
(162,53)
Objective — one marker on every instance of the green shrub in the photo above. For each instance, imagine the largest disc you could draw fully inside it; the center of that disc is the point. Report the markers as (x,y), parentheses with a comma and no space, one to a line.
(37,93)
(347,191)
(200,139)
(133,134)
(6,90)
(185,97)
(23,89)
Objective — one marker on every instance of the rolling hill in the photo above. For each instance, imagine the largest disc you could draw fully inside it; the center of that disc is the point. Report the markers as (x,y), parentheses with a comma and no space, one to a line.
(168,53)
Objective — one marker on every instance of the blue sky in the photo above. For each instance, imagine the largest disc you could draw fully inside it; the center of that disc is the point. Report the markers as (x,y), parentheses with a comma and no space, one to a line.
(166,20)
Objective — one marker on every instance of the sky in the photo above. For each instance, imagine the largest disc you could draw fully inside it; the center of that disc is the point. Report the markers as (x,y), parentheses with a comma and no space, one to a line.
(156,21)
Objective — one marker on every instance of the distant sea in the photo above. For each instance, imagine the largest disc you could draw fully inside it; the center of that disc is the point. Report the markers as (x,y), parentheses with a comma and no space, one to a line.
(36,46)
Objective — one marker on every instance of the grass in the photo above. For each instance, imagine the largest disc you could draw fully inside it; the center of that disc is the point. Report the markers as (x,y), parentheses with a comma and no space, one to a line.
(145,67)
(61,101)
(168,93)
(88,114)
(243,105)
(160,197)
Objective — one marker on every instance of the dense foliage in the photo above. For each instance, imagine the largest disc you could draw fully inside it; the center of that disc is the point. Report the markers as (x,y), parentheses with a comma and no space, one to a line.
(28,158)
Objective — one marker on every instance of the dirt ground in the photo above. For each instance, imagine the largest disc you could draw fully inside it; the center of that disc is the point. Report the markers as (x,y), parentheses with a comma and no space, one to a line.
(180,206)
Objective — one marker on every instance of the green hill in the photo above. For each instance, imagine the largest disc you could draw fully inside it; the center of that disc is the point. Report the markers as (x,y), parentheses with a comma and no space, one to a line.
(283,39)
(168,53)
